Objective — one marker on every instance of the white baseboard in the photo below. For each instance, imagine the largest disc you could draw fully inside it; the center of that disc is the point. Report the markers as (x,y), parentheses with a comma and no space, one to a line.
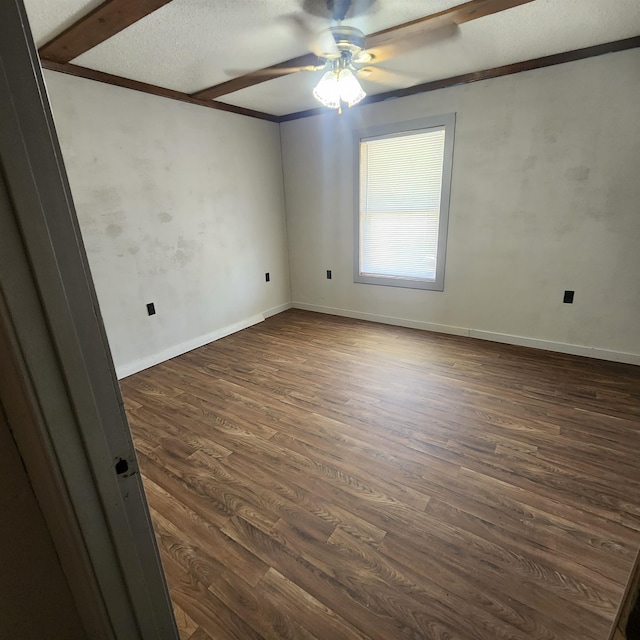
(560,347)
(275,310)
(399,322)
(130,368)
(547,345)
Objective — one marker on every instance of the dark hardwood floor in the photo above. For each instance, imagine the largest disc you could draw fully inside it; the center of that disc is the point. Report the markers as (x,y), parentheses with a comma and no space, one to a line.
(320,477)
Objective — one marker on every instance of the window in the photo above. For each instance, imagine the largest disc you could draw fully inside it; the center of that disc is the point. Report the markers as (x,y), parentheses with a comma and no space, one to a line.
(403,203)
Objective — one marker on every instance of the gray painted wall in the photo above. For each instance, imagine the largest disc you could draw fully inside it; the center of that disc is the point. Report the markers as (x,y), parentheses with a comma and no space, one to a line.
(178,205)
(184,207)
(545,197)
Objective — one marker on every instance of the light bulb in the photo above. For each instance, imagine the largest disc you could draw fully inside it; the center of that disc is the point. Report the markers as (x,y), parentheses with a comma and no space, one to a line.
(327,90)
(350,90)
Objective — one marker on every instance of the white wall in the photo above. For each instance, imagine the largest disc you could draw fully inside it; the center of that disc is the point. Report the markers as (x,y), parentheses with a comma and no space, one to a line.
(545,197)
(178,205)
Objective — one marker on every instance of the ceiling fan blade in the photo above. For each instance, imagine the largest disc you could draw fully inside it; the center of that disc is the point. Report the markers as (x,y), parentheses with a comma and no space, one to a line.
(390,78)
(256,77)
(383,44)
(411,41)
(321,43)
(375,42)
(270,73)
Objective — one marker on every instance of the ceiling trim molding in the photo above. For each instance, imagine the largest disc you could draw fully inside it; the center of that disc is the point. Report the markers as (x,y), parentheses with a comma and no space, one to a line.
(495,72)
(111,17)
(155,90)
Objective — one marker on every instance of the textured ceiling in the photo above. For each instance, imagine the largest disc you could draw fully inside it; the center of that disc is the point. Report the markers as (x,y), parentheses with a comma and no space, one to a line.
(48,18)
(188,45)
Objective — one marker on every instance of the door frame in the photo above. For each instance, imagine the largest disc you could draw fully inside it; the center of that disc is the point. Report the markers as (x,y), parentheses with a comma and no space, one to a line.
(58,382)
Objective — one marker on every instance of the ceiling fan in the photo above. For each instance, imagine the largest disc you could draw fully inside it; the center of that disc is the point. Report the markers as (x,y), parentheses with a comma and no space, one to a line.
(339,84)
(341,55)
(342,51)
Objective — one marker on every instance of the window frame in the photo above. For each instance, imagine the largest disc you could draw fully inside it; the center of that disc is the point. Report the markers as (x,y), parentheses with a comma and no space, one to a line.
(445,121)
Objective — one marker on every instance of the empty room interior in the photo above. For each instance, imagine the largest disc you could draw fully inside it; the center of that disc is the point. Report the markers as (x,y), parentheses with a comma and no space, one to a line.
(369,275)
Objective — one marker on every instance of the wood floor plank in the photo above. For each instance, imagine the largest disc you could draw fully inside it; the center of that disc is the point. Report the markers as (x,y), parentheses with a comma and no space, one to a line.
(297,602)
(348,604)
(186,626)
(200,634)
(202,606)
(480,621)
(335,515)
(201,526)
(317,477)
(268,501)
(175,543)
(266,617)
(472,573)
(582,585)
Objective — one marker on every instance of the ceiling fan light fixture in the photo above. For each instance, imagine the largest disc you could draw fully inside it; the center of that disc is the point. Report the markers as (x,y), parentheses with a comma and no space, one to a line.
(350,90)
(327,91)
(338,86)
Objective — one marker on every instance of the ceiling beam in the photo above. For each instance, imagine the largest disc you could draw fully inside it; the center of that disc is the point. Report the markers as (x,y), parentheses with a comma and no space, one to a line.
(119,81)
(460,14)
(111,17)
(457,15)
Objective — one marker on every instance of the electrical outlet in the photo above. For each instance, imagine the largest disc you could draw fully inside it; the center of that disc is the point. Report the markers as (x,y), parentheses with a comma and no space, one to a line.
(151,309)
(328,274)
(267,277)
(568,297)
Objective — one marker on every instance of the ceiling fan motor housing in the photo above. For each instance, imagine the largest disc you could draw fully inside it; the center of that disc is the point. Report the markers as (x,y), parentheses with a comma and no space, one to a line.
(349,41)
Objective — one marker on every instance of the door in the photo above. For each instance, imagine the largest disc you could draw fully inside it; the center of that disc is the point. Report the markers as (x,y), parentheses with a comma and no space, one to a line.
(58,385)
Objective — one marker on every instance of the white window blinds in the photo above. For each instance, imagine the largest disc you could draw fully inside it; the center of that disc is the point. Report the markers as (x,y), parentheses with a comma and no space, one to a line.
(400,202)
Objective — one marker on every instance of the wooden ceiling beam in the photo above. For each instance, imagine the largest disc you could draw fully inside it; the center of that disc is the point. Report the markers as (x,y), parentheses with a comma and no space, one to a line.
(111,17)
(459,14)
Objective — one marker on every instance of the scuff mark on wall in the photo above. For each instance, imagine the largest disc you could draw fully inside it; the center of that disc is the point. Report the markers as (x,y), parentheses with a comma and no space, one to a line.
(108,197)
(113,230)
(580,174)
(156,185)
(186,251)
